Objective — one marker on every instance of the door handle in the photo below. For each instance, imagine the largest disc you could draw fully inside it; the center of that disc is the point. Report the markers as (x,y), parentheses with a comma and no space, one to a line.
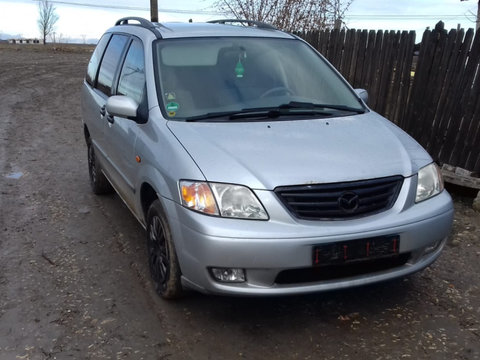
(103,110)
(110,119)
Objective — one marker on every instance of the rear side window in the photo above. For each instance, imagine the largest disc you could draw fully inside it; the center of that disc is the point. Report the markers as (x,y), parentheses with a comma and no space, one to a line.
(95,59)
(132,77)
(110,62)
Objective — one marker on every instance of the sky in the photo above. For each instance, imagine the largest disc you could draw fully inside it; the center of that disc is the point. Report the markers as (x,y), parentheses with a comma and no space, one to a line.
(88,21)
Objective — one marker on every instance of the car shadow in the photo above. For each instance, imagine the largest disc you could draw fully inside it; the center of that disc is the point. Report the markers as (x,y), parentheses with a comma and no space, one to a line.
(370,300)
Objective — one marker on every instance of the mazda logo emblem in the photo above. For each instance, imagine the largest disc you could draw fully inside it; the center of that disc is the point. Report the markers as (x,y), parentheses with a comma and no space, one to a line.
(348,201)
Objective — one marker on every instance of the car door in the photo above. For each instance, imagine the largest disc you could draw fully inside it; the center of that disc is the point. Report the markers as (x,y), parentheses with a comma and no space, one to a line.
(121,133)
(104,86)
(91,98)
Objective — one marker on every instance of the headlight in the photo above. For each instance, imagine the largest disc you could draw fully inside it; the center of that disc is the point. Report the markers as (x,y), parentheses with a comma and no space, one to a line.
(430,182)
(238,202)
(226,200)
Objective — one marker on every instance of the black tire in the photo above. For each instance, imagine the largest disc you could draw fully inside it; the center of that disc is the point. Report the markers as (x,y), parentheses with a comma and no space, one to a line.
(98,181)
(162,258)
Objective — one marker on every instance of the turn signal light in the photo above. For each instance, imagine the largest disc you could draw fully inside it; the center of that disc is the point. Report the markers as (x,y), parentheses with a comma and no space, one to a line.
(198,196)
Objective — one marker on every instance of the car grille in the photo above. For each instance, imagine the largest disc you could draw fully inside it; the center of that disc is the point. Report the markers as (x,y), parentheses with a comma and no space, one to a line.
(338,201)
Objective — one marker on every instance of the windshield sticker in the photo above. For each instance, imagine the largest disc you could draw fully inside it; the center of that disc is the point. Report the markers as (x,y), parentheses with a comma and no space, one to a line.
(172,113)
(172,106)
(239,69)
(170,96)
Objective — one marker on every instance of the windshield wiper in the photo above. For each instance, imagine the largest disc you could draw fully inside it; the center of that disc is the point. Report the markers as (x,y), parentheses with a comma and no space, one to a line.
(309,105)
(293,108)
(261,113)
(211,115)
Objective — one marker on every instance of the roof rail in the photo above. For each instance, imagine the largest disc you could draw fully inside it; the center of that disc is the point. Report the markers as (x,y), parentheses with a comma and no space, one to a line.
(259,24)
(141,22)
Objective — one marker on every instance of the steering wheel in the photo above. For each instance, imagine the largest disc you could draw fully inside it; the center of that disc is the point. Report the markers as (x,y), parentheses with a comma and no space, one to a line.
(277,89)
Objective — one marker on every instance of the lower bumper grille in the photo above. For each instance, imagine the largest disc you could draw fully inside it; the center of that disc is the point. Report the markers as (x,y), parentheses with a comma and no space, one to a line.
(332,272)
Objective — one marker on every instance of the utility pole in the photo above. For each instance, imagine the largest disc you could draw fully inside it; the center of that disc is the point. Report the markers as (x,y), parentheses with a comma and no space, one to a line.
(154,10)
(478,15)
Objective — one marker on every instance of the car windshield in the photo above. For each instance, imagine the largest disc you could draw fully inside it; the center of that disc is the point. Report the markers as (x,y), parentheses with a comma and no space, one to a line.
(206,78)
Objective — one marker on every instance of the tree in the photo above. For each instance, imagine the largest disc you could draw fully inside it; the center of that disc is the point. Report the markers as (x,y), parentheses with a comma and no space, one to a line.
(477,20)
(288,15)
(47,19)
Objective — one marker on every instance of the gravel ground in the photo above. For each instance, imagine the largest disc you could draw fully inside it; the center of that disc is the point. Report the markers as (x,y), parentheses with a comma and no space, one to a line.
(74,280)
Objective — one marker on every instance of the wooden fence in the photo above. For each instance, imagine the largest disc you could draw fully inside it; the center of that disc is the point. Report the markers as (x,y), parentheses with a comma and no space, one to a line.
(435,97)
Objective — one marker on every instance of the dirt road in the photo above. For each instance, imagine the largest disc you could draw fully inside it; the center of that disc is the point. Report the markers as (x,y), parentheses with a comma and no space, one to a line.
(74,281)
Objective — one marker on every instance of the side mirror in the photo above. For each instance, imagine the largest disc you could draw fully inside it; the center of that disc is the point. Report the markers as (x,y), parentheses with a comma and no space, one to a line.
(122,106)
(362,94)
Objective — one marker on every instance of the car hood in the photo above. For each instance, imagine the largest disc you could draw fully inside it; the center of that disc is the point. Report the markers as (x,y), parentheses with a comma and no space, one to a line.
(267,154)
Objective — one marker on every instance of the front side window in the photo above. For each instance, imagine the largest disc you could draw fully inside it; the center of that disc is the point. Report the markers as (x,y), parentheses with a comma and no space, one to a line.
(215,75)
(110,62)
(132,76)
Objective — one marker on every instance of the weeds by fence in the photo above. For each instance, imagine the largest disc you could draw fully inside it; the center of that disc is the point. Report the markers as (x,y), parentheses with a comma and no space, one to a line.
(435,99)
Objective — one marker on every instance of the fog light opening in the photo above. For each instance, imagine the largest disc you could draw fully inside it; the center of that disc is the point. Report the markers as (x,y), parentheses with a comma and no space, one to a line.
(431,248)
(228,275)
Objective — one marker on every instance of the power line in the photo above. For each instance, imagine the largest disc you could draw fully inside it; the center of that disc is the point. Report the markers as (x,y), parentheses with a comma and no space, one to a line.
(207,12)
(133,8)
(399,16)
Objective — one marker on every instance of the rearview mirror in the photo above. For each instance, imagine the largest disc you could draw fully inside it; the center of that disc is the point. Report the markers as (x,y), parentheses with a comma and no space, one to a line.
(362,94)
(122,106)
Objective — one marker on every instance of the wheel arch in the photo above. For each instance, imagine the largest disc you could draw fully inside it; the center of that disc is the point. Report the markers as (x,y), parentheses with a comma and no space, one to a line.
(86,133)
(147,196)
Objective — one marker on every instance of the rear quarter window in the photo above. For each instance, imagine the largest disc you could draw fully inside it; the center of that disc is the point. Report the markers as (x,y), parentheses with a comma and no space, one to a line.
(95,59)
(110,62)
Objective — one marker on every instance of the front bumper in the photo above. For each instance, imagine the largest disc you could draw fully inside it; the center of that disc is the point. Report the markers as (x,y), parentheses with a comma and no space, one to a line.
(266,248)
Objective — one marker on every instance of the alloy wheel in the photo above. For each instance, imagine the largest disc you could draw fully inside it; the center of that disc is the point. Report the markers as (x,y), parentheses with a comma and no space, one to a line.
(158,253)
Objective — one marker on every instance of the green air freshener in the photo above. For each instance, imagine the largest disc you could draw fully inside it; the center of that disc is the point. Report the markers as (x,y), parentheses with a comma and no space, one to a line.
(172,106)
(239,69)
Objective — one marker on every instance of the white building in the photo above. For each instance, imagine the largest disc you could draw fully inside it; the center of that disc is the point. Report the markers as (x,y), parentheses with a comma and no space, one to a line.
(25,41)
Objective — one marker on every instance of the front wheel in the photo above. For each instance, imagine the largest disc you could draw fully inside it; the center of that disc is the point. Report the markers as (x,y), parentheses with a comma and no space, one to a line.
(162,258)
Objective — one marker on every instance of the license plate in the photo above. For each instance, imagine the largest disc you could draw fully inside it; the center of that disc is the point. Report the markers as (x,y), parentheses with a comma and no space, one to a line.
(356,250)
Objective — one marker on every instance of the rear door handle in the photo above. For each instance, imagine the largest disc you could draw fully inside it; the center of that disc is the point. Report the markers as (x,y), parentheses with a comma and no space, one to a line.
(110,119)
(103,110)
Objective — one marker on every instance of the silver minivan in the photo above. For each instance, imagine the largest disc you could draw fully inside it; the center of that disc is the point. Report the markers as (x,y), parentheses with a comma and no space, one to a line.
(252,164)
